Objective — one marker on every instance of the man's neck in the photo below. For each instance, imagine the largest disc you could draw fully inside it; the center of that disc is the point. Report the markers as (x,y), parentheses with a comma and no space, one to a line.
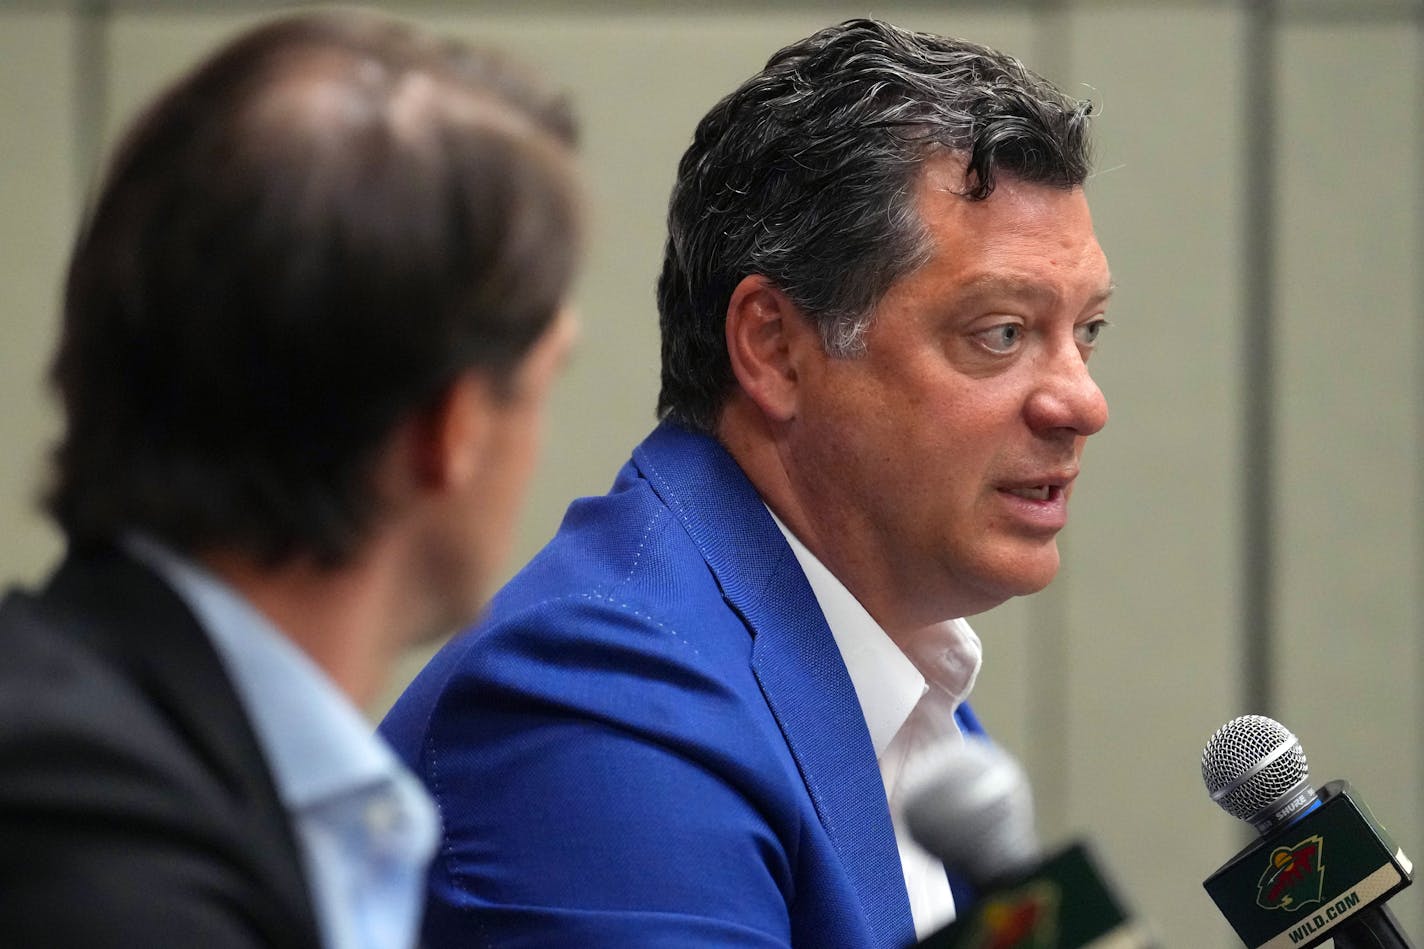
(748,437)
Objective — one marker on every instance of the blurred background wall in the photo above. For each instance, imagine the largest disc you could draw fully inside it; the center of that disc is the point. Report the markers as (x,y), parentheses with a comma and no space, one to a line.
(1247,533)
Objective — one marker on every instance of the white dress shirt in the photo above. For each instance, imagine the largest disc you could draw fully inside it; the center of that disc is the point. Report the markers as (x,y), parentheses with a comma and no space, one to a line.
(908,698)
(366,827)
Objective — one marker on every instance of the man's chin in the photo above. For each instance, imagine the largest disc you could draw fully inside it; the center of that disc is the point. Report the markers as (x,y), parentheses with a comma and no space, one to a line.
(1027,575)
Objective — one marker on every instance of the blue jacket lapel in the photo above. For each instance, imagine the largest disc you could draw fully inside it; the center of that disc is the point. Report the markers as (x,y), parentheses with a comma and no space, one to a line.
(794,658)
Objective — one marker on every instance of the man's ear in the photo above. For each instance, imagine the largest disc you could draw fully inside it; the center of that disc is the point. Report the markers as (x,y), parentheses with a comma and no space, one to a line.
(766,336)
(451,438)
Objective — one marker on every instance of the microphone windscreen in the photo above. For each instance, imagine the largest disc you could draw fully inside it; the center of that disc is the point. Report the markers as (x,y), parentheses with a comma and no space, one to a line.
(970,805)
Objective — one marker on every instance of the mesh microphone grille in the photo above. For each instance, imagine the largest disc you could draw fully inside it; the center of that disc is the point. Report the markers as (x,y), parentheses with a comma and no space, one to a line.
(1240,746)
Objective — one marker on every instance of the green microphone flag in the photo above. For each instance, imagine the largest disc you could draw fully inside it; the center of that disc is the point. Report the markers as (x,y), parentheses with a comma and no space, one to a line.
(1294,887)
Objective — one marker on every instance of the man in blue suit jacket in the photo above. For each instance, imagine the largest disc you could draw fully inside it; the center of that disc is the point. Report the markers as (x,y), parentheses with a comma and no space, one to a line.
(688,721)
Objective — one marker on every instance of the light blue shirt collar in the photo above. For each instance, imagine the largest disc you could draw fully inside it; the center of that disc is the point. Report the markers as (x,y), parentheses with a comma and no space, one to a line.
(317,743)
(366,826)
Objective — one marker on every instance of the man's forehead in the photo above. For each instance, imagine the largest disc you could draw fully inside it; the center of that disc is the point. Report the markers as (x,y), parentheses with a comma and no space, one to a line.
(1024,241)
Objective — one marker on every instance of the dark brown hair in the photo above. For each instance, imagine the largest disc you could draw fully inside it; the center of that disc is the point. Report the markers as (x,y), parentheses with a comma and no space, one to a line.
(299,244)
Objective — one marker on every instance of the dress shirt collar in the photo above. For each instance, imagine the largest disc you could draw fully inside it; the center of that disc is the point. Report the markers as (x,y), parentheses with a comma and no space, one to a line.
(367,828)
(318,744)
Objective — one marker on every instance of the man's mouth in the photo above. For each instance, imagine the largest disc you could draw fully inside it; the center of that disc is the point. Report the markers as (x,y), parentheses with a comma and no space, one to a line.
(1041,492)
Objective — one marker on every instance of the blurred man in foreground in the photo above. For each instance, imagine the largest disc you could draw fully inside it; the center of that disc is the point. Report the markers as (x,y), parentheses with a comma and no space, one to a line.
(687,722)
(309,329)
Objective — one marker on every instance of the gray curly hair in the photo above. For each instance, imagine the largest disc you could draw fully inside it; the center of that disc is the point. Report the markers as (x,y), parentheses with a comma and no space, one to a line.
(806,174)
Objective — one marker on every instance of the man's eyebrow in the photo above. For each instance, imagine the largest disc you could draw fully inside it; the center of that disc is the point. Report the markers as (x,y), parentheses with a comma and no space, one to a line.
(1002,285)
(1021,288)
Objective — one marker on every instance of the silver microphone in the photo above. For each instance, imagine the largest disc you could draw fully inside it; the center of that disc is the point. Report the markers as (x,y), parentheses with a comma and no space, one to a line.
(971,806)
(1278,887)
(1256,770)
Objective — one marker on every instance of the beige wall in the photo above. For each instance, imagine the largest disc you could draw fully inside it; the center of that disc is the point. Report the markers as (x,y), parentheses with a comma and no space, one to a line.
(1109,683)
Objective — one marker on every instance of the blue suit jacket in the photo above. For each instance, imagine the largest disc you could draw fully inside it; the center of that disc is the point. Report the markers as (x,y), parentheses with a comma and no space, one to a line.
(651,739)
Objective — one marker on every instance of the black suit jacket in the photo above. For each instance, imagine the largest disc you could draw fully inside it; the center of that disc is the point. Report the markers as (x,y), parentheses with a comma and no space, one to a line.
(136,808)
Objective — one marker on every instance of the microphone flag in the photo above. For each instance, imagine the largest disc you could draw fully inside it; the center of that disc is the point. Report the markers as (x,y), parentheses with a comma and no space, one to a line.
(1062,903)
(1297,884)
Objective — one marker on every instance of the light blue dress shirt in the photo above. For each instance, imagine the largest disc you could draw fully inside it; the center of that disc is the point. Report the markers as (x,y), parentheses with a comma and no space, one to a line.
(366,827)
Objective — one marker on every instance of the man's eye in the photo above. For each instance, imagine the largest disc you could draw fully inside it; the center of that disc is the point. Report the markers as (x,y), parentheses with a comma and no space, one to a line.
(1087,333)
(1003,338)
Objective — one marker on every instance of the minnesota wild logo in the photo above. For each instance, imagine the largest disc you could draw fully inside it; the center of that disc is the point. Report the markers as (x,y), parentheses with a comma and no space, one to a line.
(1295,877)
(1026,918)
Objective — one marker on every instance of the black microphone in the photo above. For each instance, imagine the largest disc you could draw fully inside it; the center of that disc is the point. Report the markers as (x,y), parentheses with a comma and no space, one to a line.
(971,807)
(1323,867)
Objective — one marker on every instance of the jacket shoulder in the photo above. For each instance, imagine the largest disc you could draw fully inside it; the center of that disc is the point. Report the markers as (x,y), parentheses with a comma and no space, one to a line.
(100,787)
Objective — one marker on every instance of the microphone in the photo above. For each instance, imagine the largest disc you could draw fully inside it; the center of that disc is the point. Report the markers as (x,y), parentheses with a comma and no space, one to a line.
(970,806)
(1323,867)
